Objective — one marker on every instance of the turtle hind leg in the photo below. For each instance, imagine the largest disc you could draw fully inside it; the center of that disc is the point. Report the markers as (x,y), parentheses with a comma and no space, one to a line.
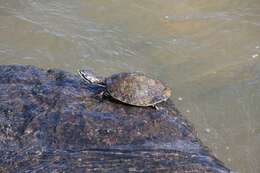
(156,107)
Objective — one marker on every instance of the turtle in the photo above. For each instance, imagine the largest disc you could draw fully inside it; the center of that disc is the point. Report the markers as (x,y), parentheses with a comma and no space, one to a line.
(132,88)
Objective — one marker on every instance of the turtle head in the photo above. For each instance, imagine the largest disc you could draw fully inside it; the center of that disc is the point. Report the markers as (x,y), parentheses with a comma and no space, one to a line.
(90,77)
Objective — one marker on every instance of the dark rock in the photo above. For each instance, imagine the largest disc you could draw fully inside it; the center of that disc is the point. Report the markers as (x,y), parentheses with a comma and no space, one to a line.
(52,121)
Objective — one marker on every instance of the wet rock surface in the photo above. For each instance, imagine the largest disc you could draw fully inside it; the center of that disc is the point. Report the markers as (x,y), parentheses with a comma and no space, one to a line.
(53,121)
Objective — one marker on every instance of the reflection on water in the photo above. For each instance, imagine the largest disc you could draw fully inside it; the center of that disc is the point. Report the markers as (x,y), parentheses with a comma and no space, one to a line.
(206,50)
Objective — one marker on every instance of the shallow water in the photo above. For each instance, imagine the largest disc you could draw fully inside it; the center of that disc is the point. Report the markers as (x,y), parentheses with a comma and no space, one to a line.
(207,51)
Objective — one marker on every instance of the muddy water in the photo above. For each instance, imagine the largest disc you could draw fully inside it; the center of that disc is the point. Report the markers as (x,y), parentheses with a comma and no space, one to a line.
(207,51)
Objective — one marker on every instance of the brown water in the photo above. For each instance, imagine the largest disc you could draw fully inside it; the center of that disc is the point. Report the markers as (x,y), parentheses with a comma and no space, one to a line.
(207,51)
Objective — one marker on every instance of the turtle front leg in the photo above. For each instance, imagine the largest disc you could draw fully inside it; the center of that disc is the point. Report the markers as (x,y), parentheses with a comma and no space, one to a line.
(102,94)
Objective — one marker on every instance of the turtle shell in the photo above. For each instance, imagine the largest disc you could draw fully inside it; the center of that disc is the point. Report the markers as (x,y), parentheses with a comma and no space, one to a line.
(136,89)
